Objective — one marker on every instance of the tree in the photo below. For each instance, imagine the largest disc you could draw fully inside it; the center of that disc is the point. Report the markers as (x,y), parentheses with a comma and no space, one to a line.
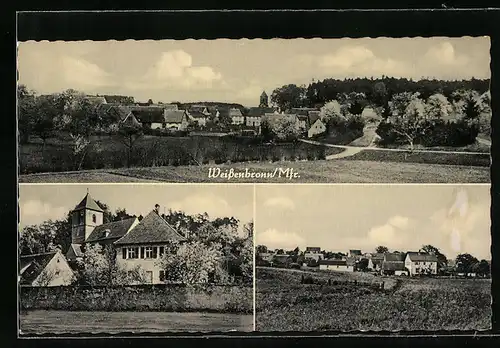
(438,107)
(121,214)
(150,101)
(289,96)
(464,262)
(331,110)
(261,249)
(353,102)
(408,117)
(26,101)
(379,93)
(281,128)
(483,268)
(442,260)
(362,265)
(128,134)
(194,263)
(381,249)
(44,117)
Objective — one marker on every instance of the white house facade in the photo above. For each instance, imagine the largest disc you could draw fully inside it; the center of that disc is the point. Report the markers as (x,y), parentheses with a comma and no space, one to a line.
(336,265)
(421,263)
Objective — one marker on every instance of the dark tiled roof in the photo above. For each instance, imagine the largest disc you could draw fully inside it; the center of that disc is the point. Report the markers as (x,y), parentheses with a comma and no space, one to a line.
(118,112)
(258,112)
(302,111)
(170,107)
(34,265)
(394,257)
(131,120)
(88,203)
(197,108)
(149,115)
(75,249)
(197,114)
(151,229)
(96,99)
(117,229)
(233,112)
(174,116)
(351,261)
(393,266)
(355,251)
(317,249)
(424,257)
(333,262)
(119,99)
(313,116)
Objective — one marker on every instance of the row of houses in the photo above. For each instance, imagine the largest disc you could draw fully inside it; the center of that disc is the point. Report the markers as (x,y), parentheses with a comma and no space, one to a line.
(170,117)
(404,263)
(137,243)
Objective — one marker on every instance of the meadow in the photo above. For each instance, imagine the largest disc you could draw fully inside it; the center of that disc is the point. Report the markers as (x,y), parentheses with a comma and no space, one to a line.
(283,303)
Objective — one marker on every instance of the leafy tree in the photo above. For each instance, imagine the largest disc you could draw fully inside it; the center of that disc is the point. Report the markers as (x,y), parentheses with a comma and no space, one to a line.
(128,134)
(331,110)
(289,96)
(281,128)
(353,102)
(379,93)
(442,260)
(194,263)
(261,249)
(26,100)
(121,214)
(280,252)
(483,268)
(362,265)
(438,107)
(381,249)
(464,262)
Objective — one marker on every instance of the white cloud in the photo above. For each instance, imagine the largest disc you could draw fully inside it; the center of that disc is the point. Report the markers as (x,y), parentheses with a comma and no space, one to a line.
(175,70)
(280,202)
(400,222)
(393,234)
(273,239)
(35,212)
(48,71)
(444,54)
(211,204)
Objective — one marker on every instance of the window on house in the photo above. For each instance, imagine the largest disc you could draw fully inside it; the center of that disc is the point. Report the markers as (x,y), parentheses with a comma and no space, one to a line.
(133,253)
(142,252)
(148,253)
(162,251)
(81,217)
(57,272)
(163,276)
(94,218)
(124,253)
(155,252)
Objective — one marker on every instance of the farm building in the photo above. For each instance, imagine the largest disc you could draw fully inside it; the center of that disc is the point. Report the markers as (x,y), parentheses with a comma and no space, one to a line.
(394,264)
(281,260)
(255,114)
(45,269)
(176,119)
(313,253)
(421,263)
(150,117)
(266,256)
(336,265)
(198,117)
(375,261)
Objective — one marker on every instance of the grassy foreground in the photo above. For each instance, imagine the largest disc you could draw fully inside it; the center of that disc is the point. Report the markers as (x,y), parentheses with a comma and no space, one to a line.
(284,304)
(333,171)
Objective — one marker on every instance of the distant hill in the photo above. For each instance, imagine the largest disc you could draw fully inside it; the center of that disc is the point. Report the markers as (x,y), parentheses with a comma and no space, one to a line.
(211,104)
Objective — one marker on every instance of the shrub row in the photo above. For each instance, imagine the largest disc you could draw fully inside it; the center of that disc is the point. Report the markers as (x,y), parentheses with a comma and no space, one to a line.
(224,299)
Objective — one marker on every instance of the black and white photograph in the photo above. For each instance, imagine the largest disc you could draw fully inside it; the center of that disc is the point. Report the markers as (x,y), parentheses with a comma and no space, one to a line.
(364,110)
(135,258)
(343,258)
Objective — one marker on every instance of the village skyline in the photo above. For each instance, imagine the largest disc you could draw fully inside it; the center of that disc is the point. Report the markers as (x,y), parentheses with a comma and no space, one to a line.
(41,203)
(236,70)
(455,219)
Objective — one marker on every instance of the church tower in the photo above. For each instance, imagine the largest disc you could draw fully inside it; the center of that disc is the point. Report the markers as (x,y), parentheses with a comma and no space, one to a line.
(264,100)
(84,218)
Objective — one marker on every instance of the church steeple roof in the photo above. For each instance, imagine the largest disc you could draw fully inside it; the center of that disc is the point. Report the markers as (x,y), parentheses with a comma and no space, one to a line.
(88,203)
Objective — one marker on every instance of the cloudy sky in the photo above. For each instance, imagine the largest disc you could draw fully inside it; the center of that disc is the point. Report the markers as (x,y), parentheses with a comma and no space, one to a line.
(39,203)
(453,218)
(239,70)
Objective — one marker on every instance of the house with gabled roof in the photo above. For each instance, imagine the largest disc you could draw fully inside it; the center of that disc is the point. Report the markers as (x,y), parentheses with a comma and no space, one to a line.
(198,117)
(45,269)
(176,119)
(95,99)
(316,126)
(254,115)
(145,244)
(150,117)
(313,253)
(236,116)
(421,263)
(137,243)
(394,264)
(375,261)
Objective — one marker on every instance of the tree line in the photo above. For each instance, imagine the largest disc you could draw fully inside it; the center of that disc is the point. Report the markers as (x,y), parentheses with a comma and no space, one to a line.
(214,252)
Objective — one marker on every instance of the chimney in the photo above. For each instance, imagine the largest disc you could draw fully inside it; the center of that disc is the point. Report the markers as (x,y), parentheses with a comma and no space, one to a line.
(157,209)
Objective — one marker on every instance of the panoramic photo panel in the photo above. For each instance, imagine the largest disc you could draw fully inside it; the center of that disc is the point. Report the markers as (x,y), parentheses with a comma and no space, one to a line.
(343,258)
(367,110)
(135,259)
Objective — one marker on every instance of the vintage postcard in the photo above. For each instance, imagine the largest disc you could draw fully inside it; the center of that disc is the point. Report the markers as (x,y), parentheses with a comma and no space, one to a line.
(132,259)
(343,258)
(367,110)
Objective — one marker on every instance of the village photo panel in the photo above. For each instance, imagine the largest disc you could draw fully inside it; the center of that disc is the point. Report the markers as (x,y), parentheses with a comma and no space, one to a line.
(350,258)
(343,110)
(135,259)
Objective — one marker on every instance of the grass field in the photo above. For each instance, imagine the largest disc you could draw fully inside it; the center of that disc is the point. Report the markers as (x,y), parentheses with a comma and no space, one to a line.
(334,171)
(284,304)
